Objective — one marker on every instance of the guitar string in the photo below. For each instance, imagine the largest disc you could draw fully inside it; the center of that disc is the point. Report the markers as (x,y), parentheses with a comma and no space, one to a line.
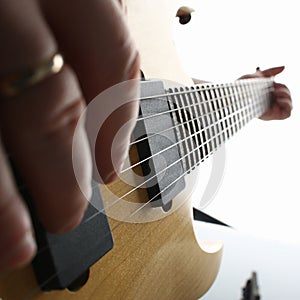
(196,104)
(127,218)
(212,113)
(210,86)
(36,290)
(206,142)
(200,88)
(233,125)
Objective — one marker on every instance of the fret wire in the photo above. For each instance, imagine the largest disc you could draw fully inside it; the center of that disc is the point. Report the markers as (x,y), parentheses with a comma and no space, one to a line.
(186,172)
(215,116)
(225,110)
(238,116)
(200,138)
(233,118)
(217,113)
(132,214)
(238,106)
(230,119)
(260,99)
(263,104)
(212,121)
(178,178)
(220,110)
(243,104)
(248,103)
(202,118)
(208,142)
(256,107)
(268,97)
(177,126)
(256,97)
(207,118)
(168,111)
(205,86)
(119,199)
(266,103)
(236,119)
(183,131)
(193,113)
(259,108)
(164,189)
(190,141)
(215,119)
(127,218)
(251,99)
(158,173)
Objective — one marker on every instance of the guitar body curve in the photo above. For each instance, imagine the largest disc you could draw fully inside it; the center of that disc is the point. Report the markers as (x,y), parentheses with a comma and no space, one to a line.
(155,260)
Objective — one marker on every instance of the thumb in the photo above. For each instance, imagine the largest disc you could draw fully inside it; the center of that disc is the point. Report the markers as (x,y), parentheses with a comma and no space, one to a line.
(272,71)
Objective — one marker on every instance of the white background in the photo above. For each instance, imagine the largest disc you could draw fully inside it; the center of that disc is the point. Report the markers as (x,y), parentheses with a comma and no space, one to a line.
(259,194)
(227,39)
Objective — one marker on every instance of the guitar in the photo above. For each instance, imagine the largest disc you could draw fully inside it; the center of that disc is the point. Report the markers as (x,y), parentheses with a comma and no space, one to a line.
(160,258)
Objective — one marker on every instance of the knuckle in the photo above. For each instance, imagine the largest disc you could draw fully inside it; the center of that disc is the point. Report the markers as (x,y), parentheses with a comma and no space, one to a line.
(56,104)
(36,42)
(129,59)
(64,120)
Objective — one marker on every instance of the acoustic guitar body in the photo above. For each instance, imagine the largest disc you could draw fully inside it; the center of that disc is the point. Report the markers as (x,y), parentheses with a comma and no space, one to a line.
(153,260)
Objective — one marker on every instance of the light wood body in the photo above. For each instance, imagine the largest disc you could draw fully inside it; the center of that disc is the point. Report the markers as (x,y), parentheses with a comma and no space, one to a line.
(155,260)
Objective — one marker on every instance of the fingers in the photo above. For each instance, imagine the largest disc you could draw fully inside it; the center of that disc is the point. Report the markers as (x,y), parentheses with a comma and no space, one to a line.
(27,39)
(282,105)
(43,148)
(264,73)
(17,245)
(38,124)
(95,41)
(271,72)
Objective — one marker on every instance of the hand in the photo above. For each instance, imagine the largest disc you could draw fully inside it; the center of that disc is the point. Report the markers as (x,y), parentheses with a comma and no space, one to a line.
(282,104)
(37,125)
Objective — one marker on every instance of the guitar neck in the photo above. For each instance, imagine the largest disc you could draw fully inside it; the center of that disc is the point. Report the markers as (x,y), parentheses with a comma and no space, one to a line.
(207,115)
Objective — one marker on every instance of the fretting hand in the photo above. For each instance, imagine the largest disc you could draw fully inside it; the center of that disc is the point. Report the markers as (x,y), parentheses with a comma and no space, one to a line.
(37,123)
(282,101)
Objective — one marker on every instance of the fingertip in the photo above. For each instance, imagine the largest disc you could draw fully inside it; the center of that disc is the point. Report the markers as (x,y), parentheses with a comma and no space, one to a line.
(273,71)
(20,255)
(17,243)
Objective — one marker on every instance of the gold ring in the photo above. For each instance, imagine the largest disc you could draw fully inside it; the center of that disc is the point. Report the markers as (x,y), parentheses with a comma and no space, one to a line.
(14,83)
